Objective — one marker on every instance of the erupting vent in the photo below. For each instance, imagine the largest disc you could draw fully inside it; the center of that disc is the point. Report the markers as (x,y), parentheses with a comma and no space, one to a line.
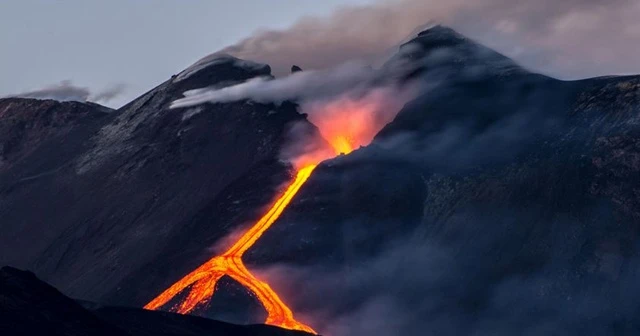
(345,123)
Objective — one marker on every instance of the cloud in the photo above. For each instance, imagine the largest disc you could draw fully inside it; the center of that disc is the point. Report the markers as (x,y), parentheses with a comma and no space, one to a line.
(572,38)
(63,91)
(67,91)
(109,93)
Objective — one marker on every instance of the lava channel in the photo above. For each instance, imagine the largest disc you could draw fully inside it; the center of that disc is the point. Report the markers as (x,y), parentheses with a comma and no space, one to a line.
(344,124)
(203,279)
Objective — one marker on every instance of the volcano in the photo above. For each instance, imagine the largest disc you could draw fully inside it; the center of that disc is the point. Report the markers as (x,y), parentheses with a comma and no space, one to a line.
(497,200)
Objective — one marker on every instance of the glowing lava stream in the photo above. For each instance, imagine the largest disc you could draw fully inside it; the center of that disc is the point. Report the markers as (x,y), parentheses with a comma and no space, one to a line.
(344,123)
(203,279)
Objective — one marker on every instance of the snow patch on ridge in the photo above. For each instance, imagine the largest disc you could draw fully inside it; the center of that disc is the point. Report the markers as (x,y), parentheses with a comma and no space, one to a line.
(215,59)
(191,112)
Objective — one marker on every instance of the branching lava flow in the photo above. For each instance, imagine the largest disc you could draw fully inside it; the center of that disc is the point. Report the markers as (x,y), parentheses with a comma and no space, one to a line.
(345,124)
(203,280)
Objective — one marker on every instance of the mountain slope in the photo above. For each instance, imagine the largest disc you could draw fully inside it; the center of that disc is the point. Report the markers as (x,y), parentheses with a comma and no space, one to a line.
(140,177)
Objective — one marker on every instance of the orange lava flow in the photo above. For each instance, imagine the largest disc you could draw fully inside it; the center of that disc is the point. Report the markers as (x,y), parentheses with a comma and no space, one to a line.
(203,279)
(345,124)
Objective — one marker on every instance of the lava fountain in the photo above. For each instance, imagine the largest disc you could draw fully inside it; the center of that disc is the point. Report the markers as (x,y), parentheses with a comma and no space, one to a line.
(345,123)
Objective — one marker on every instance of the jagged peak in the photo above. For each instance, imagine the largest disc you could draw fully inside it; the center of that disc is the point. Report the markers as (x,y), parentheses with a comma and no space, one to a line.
(440,30)
(441,46)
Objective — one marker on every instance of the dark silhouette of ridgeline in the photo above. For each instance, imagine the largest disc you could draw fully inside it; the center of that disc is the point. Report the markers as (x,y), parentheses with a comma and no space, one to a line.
(29,306)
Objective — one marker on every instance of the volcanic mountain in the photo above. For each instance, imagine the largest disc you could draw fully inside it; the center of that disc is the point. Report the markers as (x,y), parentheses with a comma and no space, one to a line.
(497,201)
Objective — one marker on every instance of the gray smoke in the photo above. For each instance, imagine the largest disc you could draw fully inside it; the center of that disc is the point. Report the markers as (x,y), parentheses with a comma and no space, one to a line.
(573,38)
(109,93)
(349,78)
(301,85)
(67,91)
(63,91)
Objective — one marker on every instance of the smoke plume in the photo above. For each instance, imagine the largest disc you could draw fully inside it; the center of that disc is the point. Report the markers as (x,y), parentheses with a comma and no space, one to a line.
(67,91)
(348,104)
(301,86)
(573,38)
(108,94)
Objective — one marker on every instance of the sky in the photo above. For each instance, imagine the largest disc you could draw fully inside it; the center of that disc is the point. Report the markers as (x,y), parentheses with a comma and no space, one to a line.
(138,44)
(113,51)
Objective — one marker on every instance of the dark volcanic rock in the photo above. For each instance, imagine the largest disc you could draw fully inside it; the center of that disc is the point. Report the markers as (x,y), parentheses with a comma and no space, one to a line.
(295,69)
(25,124)
(151,323)
(106,209)
(30,307)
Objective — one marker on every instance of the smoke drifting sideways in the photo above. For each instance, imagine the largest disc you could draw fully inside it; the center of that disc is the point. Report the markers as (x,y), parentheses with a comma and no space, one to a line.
(67,91)
(348,104)
(569,39)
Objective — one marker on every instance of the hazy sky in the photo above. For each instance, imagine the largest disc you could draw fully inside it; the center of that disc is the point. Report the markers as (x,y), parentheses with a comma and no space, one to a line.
(99,44)
(91,49)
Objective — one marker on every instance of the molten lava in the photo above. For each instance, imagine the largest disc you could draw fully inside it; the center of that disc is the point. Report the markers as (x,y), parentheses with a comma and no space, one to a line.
(203,280)
(344,123)
(349,121)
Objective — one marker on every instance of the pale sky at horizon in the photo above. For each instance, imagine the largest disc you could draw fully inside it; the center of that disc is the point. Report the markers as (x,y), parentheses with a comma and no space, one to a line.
(98,44)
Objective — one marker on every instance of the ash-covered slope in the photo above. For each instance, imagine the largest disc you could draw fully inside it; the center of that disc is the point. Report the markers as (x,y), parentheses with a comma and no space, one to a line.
(87,214)
(30,307)
(26,124)
(38,139)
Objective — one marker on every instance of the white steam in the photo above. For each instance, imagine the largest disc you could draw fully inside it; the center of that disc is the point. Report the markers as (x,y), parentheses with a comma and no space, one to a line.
(304,85)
